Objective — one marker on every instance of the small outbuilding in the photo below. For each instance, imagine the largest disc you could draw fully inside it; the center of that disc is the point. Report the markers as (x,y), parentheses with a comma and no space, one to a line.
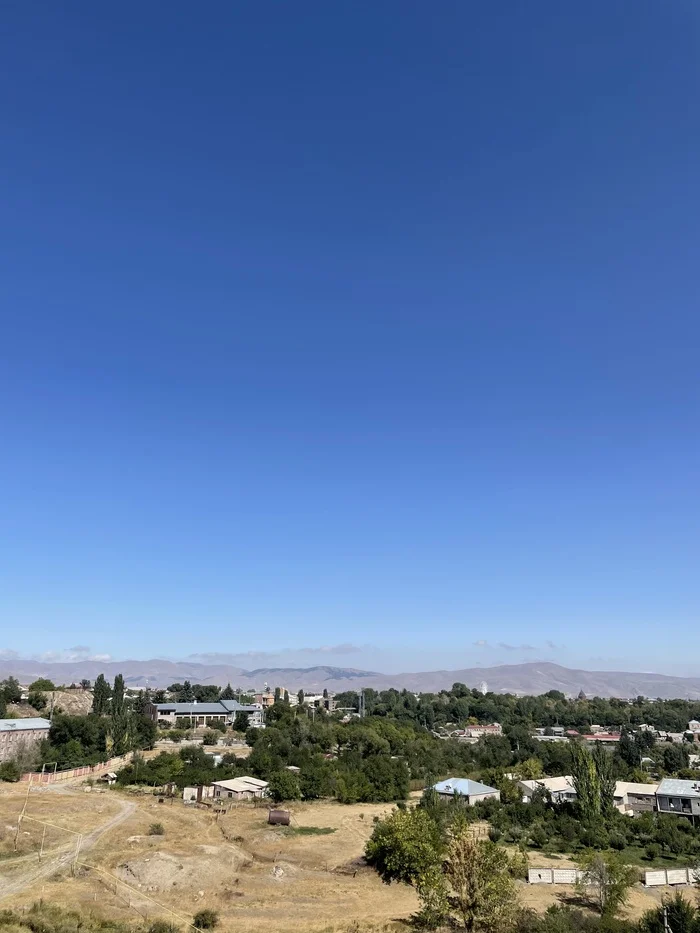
(109,778)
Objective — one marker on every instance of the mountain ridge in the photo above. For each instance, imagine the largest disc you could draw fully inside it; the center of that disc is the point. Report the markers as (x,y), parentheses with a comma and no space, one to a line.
(533,677)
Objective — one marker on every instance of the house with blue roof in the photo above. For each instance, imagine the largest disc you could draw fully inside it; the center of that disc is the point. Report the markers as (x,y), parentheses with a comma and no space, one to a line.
(468,791)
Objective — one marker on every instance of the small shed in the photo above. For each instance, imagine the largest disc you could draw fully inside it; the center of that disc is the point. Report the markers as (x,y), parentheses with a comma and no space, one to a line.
(109,778)
(278,817)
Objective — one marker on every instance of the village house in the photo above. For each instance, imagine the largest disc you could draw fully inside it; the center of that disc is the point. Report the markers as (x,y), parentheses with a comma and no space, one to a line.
(19,734)
(559,788)
(632,798)
(470,792)
(240,788)
(681,797)
(204,714)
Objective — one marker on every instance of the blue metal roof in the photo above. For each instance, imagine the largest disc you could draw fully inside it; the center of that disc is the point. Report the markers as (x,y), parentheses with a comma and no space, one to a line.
(16,725)
(464,786)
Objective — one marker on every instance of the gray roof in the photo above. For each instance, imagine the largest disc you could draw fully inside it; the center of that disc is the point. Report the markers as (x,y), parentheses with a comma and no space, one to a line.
(203,709)
(464,786)
(233,706)
(17,725)
(672,787)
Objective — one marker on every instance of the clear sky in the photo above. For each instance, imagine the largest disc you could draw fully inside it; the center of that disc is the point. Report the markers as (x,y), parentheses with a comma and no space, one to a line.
(365,332)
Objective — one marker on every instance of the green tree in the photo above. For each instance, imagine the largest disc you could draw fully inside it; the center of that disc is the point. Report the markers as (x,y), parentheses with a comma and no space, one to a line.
(100,696)
(300,698)
(120,717)
(482,891)
(12,690)
(675,913)
(85,683)
(674,757)
(3,704)
(227,693)
(240,723)
(405,846)
(37,700)
(42,683)
(606,879)
(605,773)
(187,694)
(284,785)
(586,781)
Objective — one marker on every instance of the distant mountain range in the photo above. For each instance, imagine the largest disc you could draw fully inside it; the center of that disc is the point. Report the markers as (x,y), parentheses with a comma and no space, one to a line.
(532,678)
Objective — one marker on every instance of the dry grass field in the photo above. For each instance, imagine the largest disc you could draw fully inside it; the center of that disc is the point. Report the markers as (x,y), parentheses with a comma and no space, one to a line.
(256,876)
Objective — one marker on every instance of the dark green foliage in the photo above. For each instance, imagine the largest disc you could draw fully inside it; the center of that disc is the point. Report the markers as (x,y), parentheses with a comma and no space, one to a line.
(240,723)
(37,700)
(156,829)
(205,920)
(10,771)
(120,718)
(284,785)
(227,693)
(41,684)
(11,690)
(100,696)
(680,914)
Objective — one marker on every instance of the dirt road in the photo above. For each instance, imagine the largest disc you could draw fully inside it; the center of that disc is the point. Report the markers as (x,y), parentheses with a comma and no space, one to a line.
(55,862)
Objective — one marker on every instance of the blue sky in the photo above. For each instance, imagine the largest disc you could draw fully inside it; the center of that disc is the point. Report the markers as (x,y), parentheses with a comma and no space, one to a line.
(365,333)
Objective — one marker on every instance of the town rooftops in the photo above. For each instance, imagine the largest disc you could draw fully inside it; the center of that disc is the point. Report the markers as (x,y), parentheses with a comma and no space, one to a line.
(463,786)
(555,785)
(672,787)
(19,725)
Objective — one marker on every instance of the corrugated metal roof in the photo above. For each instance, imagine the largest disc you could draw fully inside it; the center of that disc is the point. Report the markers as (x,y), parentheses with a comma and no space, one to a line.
(464,786)
(241,784)
(187,708)
(552,784)
(233,706)
(634,787)
(673,787)
(17,725)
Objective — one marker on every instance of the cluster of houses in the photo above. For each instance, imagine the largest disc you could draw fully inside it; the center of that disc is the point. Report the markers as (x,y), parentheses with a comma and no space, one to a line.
(18,734)
(670,795)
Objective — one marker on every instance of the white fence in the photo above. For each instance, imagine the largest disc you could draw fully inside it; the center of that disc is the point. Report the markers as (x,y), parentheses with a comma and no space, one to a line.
(553,875)
(671,876)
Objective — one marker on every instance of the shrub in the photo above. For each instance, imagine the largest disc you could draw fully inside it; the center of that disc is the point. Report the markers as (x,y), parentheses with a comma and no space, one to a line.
(163,926)
(205,920)
(156,829)
(617,841)
(494,834)
(9,771)
(652,851)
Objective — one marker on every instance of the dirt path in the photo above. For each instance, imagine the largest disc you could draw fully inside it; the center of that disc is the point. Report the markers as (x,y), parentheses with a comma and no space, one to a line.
(57,861)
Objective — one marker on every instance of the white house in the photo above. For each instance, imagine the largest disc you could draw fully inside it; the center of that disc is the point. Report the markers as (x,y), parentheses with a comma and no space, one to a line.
(470,792)
(240,788)
(560,788)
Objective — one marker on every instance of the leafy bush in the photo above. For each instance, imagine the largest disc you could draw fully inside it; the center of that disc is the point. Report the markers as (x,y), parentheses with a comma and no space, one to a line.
(9,771)
(205,920)
(156,829)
